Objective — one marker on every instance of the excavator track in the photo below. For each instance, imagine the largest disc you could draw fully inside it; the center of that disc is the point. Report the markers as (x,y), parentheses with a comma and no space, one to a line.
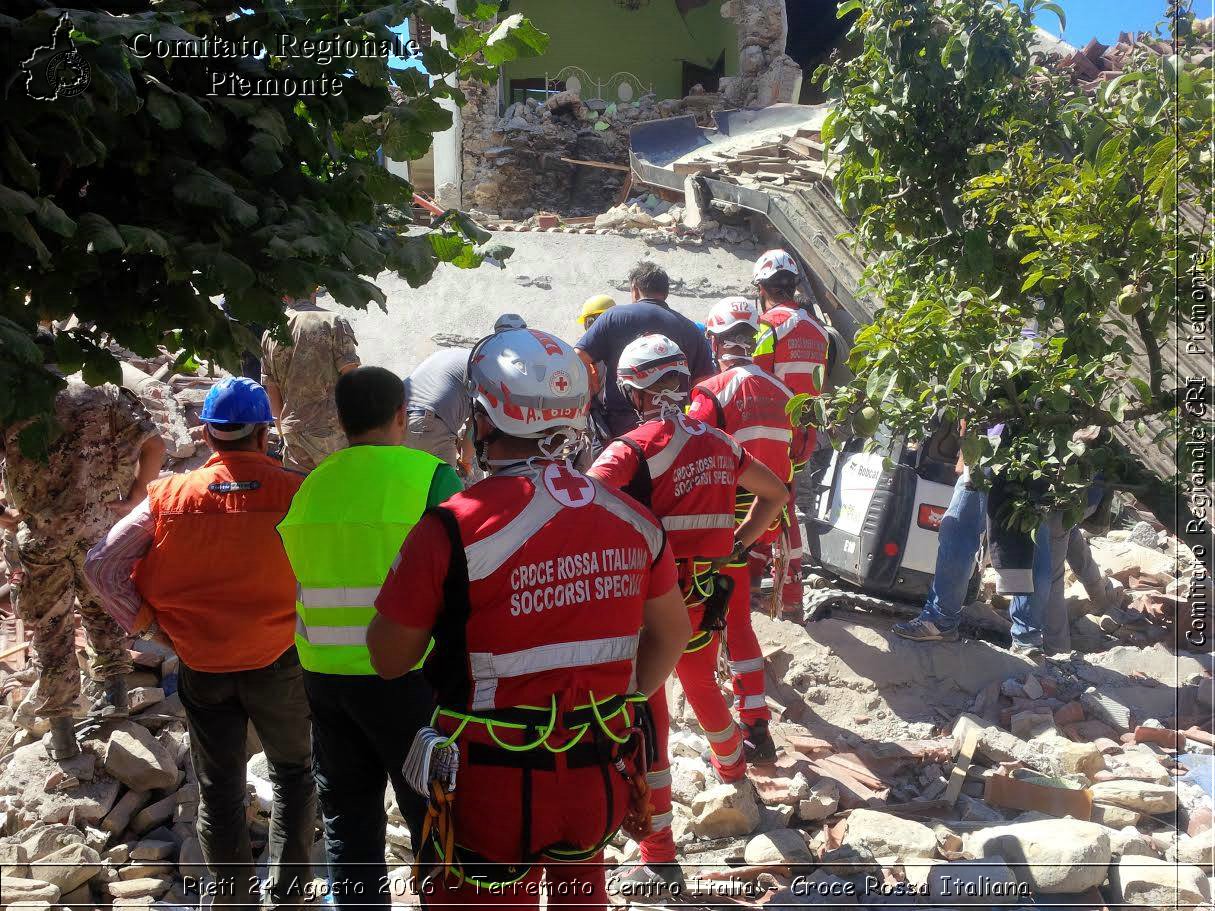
(821,603)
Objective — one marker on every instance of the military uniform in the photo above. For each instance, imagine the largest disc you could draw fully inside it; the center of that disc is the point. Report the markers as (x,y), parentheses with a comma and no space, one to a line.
(63,505)
(305,373)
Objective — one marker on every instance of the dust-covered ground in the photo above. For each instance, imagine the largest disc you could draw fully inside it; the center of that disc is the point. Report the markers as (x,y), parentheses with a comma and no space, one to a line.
(546,281)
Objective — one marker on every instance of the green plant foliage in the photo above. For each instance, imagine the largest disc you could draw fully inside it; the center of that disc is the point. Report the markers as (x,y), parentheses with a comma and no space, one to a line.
(994,194)
(135,203)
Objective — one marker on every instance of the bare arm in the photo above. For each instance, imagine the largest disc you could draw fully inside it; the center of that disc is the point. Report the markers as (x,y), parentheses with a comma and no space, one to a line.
(770,498)
(591,372)
(395,649)
(664,636)
(276,397)
(151,458)
(348,367)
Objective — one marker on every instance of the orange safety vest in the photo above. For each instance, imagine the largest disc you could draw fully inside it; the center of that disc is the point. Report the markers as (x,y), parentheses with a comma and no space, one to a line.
(216,575)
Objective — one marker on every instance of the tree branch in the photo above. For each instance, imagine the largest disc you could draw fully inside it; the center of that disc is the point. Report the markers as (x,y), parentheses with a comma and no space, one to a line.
(1152,346)
(1083,415)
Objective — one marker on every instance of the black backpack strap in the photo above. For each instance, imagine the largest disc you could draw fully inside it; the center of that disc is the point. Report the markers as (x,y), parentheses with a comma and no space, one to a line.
(447,667)
(641,487)
(719,414)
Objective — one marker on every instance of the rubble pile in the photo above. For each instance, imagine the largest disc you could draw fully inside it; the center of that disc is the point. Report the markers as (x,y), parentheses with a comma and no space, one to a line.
(1098,63)
(513,165)
(656,221)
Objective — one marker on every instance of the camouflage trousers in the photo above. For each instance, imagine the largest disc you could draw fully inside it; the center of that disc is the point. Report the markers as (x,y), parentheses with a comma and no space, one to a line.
(44,601)
(304,451)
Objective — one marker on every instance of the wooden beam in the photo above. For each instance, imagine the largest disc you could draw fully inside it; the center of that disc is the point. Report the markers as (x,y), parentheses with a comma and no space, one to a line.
(597,164)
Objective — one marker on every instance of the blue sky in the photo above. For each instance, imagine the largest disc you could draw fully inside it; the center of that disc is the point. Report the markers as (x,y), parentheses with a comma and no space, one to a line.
(1104,19)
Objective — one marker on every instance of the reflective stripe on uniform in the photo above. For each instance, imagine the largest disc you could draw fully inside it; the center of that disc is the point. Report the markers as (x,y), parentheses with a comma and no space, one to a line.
(750,702)
(330,635)
(764,433)
(723,735)
(485,557)
(787,368)
(661,461)
(735,755)
(488,668)
(660,779)
(739,375)
(750,665)
(608,500)
(337,597)
(661,821)
(690,523)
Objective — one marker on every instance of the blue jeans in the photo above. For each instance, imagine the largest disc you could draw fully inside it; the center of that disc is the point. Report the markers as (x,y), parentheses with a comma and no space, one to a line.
(957,545)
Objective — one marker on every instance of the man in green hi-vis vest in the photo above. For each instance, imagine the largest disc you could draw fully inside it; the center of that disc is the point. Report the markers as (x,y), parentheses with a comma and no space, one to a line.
(344,529)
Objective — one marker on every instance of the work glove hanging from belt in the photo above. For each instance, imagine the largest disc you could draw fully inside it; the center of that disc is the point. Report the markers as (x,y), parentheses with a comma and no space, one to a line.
(717,603)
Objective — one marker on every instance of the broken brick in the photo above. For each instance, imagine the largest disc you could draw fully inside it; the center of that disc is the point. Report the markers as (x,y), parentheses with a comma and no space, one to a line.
(1172,740)
(1069,713)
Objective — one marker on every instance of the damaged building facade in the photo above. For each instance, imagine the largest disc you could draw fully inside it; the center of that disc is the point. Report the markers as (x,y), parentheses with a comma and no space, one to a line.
(620,62)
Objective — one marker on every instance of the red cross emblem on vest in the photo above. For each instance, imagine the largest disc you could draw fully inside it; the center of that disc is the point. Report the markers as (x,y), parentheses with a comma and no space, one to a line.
(568,487)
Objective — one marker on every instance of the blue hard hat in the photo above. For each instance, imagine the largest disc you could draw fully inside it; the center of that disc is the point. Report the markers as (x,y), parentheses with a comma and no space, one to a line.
(236,400)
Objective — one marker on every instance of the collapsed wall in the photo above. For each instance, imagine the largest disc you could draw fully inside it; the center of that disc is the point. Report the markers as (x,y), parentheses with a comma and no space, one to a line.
(511,160)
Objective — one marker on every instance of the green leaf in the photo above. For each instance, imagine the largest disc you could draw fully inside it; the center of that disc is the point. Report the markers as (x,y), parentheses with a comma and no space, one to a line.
(50,216)
(143,240)
(163,109)
(846,7)
(1057,10)
(955,377)
(97,234)
(1032,279)
(514,37)
(101,366)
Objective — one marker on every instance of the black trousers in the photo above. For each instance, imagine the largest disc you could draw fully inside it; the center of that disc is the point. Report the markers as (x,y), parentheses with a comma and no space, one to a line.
(362,728)
(219,708)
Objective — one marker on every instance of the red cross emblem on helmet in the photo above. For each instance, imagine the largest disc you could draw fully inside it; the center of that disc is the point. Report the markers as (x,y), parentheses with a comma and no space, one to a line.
(568,487)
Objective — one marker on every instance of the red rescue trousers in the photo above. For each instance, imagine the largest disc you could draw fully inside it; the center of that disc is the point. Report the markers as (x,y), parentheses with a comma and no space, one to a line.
(506,813)
(742,648)
(565,885)
(791,596)
(697,672)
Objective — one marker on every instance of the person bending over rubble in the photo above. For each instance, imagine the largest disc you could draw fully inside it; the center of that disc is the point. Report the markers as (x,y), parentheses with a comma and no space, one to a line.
(438,410)
(554,608)
(748,404)
(688,473)
(299,378)
(201,564)
(61,498)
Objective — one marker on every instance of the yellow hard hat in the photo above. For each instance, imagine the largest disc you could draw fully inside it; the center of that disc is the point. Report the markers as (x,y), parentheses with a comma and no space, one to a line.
(594,306)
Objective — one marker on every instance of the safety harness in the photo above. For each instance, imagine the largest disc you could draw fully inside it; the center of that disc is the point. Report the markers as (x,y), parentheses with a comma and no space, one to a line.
(614,734)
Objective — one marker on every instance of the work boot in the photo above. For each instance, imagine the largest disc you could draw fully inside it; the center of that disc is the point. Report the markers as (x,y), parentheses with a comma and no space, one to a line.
(114,702)
(919,630)
(757,743)
(61,743)
(651,881)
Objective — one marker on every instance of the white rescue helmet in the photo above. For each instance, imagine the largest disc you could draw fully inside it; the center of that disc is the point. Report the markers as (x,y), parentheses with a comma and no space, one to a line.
(530,384)
(772,262)
(731,312)
(646,360)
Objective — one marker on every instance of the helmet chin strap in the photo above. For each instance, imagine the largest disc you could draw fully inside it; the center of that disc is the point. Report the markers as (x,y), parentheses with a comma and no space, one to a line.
(670,403)
(561,445)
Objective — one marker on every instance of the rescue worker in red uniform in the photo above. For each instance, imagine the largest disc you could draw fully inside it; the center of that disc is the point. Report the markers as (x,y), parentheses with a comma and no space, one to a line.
(794,347)
(555,608)
(687,473)
(749,405)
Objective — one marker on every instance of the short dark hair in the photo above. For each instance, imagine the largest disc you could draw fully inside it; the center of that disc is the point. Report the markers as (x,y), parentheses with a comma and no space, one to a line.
(367,398)
(782,285)
(650,279)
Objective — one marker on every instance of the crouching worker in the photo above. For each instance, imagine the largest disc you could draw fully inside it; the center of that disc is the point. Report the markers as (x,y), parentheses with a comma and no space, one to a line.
(200,562)
(554,608)
(344,529)
(687,472)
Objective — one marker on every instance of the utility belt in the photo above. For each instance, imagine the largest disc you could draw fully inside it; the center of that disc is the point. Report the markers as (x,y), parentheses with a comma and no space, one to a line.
(627,751)
(705,587)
